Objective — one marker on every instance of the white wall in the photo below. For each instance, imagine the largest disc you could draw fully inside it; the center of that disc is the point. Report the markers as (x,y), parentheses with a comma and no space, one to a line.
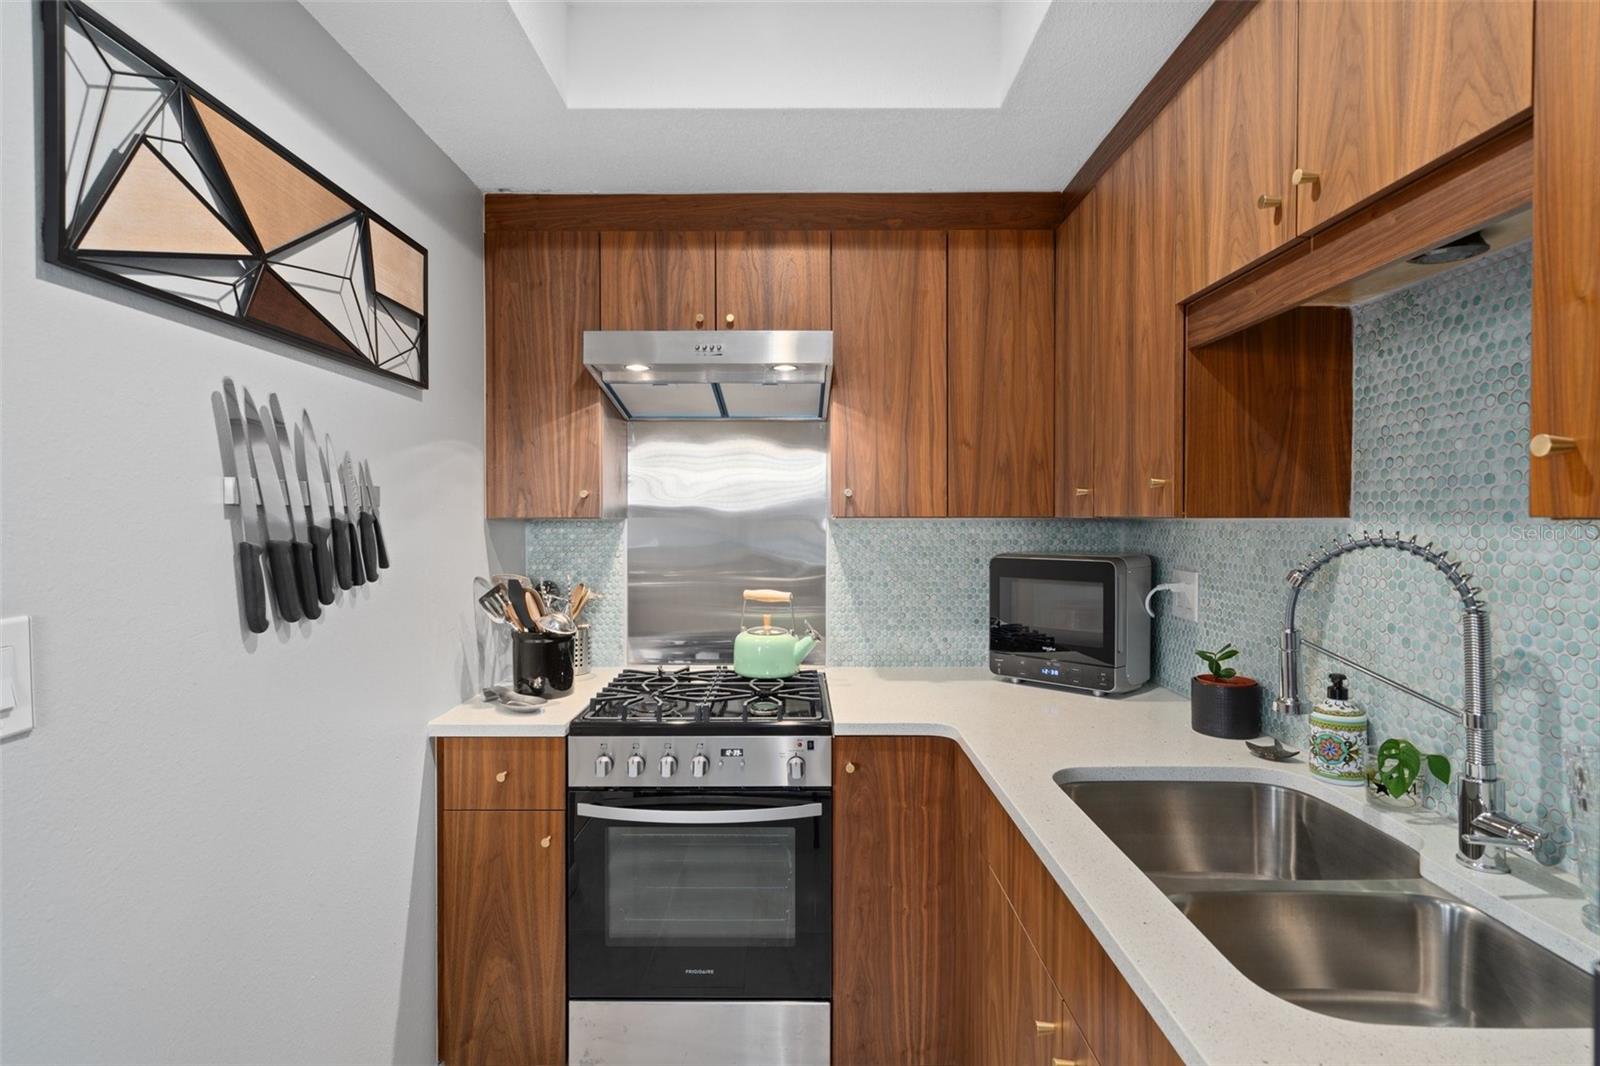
(216,847)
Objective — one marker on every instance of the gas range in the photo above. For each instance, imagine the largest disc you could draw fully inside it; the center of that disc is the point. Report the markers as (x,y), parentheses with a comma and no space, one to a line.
(703,728)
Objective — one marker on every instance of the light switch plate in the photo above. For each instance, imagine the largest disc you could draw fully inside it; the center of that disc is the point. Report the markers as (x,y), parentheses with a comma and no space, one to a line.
(1186,601)
(16,676)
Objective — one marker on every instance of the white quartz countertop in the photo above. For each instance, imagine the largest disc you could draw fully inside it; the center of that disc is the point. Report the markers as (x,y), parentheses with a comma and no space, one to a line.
(1021,737)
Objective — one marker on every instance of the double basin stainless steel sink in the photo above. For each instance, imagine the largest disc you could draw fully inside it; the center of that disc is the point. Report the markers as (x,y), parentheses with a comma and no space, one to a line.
(1321,909)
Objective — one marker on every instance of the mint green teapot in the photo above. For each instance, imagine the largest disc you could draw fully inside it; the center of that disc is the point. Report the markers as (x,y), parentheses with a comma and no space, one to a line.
(767,650)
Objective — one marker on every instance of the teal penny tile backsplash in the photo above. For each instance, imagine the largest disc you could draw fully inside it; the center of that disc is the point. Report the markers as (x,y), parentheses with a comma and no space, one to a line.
(1441,425)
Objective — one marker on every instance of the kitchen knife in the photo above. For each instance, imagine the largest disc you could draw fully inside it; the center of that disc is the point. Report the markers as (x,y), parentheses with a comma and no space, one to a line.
(305,567)
(369,538)
(321,550)
(337,522)
(280,551)
(252,583)
(372,505)
(352,507)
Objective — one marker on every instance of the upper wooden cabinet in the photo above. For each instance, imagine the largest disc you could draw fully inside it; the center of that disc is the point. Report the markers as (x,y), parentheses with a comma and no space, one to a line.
(773,280)
(1077,278)
(1001,373)
(887,429)
(1234,143)
(1385,89)
(546,422)
(1564,475)
(657,280)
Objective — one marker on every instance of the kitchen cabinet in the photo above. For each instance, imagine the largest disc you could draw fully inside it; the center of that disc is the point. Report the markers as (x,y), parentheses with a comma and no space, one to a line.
(773,280)
(887,426)
(502,897)
(897,944)
(1000,358)
(552,443)
(1387,89)
(1564,467)
(1235,151)
(1077,415)
(657,280)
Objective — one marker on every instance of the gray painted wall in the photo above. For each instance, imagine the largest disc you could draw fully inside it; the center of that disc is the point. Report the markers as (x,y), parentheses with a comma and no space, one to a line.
(219,848)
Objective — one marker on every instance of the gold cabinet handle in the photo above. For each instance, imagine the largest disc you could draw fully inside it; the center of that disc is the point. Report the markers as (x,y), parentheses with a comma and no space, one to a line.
(700,318)
(1159,482)
(849,767)
(1545,444)
(583,494)
(1045,1028)
(1067,1062)
(1264,201)
(849,493)
(1080,492)
(1301,176)
(729,318)
(544,842)
(501,776)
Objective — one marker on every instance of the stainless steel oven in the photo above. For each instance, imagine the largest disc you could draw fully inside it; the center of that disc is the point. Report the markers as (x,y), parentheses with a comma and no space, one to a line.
(699,925)
(1076,621)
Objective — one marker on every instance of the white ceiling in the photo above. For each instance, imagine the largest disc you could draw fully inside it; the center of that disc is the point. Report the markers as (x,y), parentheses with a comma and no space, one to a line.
(792,97)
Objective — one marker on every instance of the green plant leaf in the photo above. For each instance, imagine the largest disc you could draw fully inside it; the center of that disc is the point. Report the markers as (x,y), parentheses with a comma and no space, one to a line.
(1439,767)
(1226,655)
(1399,763)
(1223,673)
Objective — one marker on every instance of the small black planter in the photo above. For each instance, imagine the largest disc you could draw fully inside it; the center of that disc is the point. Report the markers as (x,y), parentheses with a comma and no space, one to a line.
(1229,709)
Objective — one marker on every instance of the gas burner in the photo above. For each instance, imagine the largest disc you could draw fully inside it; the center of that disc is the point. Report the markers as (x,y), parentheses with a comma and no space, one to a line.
(717,699)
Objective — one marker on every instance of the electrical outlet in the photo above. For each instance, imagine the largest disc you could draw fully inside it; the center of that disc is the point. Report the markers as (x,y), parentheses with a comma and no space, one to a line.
(16,677)
(1186,598)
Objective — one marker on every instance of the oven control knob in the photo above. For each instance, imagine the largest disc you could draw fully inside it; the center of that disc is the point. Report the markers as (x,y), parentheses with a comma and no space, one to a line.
(699,765)
(797,768)
(669,764)
(635,764)
(602,765)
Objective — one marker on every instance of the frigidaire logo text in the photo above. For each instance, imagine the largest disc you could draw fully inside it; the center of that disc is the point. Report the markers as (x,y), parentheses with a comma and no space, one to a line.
(700,973)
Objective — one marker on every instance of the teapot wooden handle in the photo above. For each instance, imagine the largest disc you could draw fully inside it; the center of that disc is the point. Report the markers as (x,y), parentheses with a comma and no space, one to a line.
(768,596)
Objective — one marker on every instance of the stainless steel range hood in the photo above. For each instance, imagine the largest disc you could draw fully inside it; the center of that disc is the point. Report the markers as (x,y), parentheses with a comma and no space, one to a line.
(726,374)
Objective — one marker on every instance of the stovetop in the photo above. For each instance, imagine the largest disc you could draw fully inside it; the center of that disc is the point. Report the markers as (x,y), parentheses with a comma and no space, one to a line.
(714,700)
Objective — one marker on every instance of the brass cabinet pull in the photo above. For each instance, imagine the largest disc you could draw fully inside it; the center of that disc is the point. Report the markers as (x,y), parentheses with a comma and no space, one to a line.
(729,318)
(1544,444)
(1045,1028)
(1080,492)
(849,493)
(545,842)
(849,767)
(1158,482)
(1264,201)
(1067,1062)
(583,494)
(1301,176)
(501,776)
(700,318)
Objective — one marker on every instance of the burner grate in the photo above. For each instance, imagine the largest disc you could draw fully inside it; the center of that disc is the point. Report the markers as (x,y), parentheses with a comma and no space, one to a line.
(717,695)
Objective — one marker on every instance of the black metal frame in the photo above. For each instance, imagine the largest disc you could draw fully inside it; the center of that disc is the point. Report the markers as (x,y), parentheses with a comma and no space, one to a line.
(57,244)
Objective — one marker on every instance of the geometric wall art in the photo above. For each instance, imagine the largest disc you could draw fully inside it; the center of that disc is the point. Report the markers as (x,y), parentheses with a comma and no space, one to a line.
(153,183)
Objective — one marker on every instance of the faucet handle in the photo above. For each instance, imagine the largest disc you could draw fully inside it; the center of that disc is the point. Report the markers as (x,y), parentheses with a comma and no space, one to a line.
(1496,830)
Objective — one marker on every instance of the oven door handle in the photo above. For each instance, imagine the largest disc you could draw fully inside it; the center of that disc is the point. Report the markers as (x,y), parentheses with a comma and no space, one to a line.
(656,816)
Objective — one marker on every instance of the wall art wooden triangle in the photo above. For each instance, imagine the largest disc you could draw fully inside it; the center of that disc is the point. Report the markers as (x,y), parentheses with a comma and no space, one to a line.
(150,209)
(274,303)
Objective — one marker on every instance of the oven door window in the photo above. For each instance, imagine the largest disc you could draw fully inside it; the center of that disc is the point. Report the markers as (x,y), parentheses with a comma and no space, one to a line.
(1053,609)
(670,885)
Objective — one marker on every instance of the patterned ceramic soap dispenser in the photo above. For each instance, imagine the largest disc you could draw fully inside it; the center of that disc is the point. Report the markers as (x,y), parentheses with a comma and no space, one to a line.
(1338,736)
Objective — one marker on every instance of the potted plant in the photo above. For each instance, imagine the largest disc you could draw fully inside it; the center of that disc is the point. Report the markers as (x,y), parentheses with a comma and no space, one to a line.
(1224,703)
(1394,777)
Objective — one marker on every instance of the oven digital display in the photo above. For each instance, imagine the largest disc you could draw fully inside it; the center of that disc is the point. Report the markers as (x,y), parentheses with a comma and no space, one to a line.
(732,753)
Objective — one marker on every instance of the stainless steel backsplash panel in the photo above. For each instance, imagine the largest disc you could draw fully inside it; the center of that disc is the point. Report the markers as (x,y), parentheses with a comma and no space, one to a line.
(715,508)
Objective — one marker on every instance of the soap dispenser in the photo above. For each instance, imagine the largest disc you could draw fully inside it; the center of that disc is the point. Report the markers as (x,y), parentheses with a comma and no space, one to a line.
(1338,740)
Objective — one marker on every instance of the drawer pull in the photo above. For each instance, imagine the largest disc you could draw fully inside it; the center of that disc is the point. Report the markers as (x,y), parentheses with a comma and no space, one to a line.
(849,767)
(700,319)
(1067,1062)
(1264,201)
(501,776)
(729,318)
(1045,1028)
(1544,444)
(544,842)
(1302,176)
(1158,482)
(1080,492)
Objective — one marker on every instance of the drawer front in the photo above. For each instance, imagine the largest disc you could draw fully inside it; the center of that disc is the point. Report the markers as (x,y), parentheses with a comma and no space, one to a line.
(502,773)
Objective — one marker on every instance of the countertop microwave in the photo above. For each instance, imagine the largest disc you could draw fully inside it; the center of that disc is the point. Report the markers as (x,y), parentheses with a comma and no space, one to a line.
(1074,621)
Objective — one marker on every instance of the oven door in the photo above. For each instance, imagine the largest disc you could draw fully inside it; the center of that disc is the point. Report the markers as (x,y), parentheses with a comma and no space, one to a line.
(1054,608)
(698,894)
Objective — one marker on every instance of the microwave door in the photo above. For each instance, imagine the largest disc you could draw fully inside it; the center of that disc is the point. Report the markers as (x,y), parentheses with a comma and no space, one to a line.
(1054,616)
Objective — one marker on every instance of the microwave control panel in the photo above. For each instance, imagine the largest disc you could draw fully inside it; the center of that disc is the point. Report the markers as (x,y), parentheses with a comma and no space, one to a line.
(1087,677)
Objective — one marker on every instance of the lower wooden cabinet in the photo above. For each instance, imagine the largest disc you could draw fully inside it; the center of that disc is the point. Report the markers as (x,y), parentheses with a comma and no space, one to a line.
(502,909)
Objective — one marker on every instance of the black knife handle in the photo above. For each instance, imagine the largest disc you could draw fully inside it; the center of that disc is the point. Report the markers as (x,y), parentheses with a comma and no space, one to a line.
(324,563)
(253,588)
(280,560)
(305,572)
(341,551)
(383,549)
(358,573)
(369,545)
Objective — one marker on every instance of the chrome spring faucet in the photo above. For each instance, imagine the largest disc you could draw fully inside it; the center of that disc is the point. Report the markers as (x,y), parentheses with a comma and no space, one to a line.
(1485,832)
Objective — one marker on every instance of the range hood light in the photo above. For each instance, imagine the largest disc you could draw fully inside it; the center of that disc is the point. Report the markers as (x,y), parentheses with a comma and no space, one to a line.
(637,368)
(785,368)
(730,374)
